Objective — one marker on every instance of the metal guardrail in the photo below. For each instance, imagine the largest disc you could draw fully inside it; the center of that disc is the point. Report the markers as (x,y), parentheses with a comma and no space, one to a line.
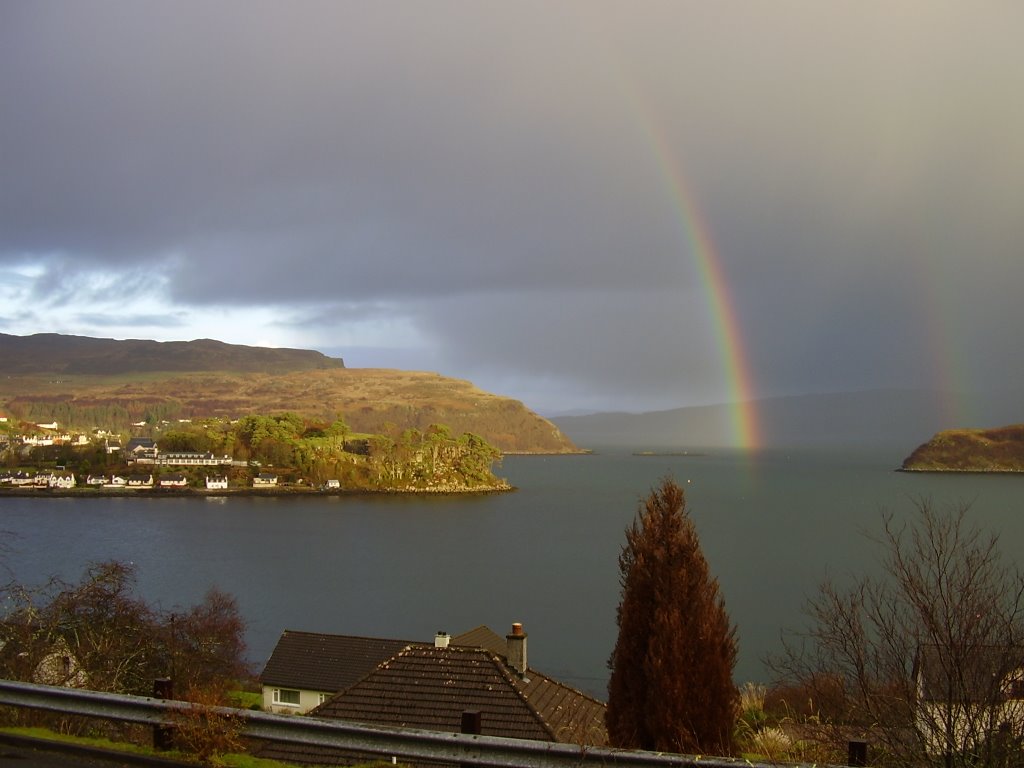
(401,743)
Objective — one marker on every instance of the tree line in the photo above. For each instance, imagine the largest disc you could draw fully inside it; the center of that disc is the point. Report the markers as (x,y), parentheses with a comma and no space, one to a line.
(99,634)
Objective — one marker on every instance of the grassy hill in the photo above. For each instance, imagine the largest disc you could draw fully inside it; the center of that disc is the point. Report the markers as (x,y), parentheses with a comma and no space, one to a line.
(59,354)
(971,450)
(55,379)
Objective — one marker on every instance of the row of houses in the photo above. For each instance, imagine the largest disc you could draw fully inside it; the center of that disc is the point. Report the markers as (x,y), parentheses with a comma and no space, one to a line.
(138,450)
(62,479)
(22,479)
(146,480)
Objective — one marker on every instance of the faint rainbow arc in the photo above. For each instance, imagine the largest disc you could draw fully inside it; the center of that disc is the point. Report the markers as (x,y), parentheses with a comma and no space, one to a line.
(729,339)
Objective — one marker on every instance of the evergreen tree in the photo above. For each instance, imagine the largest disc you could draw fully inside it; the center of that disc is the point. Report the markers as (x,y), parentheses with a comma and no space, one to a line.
(671,686)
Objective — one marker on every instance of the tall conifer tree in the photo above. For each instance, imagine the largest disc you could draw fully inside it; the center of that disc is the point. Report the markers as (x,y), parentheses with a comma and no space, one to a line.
(671,686)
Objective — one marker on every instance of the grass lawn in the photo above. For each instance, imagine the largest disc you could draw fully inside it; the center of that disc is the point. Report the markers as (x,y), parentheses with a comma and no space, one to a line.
(231,760)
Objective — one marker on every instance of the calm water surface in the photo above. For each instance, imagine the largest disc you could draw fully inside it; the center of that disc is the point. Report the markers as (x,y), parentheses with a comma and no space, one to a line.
(772,527)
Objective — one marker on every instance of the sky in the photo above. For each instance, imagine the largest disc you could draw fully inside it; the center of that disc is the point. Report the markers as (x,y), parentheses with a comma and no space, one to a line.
(583,204)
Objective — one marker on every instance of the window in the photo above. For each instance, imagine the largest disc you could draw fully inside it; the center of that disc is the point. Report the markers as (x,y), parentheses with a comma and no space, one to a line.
(286,696)
(323,697)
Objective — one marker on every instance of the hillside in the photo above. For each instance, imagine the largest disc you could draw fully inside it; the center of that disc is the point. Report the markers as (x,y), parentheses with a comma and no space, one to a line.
(971,450)
(53,378)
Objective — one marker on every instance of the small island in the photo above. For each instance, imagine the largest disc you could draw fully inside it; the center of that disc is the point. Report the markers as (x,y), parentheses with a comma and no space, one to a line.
(995,450)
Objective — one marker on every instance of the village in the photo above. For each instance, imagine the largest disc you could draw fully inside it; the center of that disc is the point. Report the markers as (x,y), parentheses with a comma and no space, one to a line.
(136,464)
(281,453)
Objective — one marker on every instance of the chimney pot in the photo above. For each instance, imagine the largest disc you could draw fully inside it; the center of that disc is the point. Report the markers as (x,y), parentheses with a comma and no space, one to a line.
(441,640)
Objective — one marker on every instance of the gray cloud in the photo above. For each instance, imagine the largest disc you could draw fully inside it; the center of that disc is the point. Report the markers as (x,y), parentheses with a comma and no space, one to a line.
(489,186)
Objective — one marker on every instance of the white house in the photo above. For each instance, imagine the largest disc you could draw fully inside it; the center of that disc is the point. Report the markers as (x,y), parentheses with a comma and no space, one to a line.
(141,450)
(60,667)
(307,668)
(62,480)
(183,459)
(216,483)
(176,480)
(22,479)
(965,698)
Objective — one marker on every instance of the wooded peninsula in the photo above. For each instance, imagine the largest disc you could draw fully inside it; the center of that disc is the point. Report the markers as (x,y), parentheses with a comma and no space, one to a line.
(68,402)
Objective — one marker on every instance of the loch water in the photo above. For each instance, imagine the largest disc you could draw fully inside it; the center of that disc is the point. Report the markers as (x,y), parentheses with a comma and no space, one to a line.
(772,525)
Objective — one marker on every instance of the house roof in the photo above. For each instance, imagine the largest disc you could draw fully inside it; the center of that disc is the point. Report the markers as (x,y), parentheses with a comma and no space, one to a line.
(427,687)
(423,686)
(326,663)
(482,637)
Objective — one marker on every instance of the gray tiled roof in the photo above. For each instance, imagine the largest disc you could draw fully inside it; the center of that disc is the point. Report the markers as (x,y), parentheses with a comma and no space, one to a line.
(328,663)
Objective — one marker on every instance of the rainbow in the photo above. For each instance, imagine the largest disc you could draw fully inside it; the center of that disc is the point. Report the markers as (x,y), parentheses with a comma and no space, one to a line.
(746,430)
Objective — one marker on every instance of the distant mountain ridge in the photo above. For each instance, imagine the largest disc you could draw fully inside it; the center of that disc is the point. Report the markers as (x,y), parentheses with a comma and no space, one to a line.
(59,353)
(897,418)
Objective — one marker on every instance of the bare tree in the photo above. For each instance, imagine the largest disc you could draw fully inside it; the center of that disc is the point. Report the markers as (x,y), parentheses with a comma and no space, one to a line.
(927,658)
(100,634)
(671,685)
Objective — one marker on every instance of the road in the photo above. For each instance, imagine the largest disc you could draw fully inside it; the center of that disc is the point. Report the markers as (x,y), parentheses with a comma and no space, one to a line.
(31,753)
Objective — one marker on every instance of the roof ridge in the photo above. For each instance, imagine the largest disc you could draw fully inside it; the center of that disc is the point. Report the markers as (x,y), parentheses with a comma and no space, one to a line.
(352,637)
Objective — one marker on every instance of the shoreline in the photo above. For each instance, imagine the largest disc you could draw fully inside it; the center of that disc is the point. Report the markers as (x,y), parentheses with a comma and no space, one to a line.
(166,493)
(955,471)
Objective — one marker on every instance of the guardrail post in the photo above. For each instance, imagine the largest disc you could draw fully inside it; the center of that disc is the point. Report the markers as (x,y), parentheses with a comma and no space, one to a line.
(163,735)
(857,754)
(471,721)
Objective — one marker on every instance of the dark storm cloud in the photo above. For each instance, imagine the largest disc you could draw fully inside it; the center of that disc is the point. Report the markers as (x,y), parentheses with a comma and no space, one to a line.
(489,181)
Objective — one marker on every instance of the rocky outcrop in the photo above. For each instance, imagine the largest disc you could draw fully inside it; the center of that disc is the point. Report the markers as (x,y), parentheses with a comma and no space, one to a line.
(970,450)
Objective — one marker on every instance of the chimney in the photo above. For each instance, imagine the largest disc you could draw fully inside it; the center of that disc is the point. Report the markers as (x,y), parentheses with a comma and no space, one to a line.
(441,639)
(516,657)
